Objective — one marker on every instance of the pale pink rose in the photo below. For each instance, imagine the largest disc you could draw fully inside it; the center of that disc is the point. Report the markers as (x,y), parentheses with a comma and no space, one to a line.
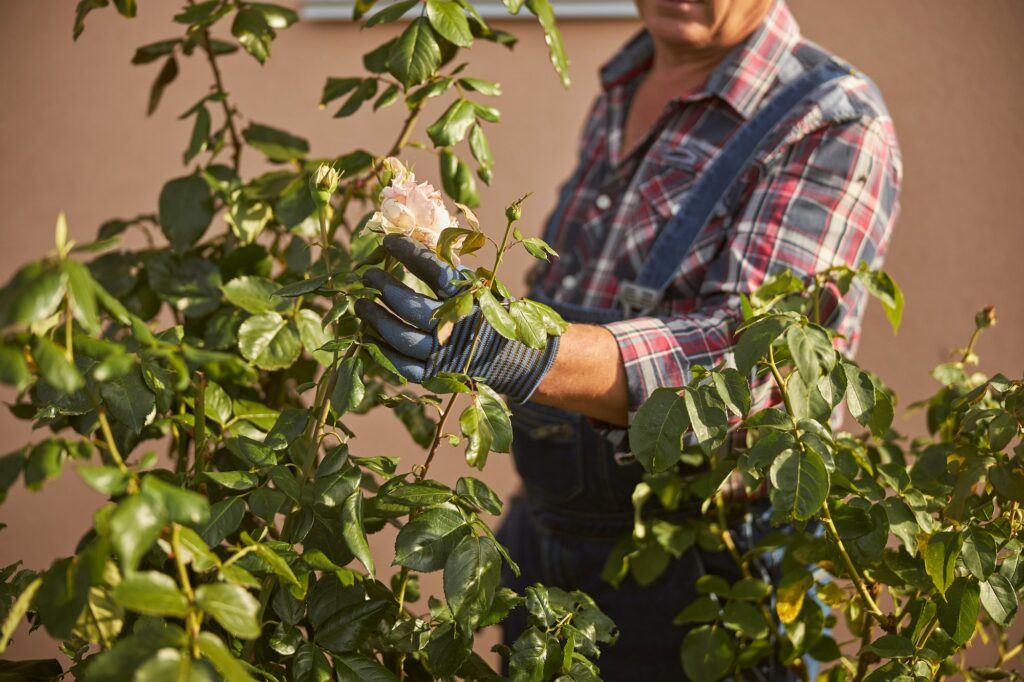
(411,208)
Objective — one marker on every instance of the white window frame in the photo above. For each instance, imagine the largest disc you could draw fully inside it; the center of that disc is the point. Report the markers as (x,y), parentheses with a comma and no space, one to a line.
(341,10)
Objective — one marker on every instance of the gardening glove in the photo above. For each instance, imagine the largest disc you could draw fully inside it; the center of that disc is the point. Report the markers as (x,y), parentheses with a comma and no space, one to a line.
(410,335)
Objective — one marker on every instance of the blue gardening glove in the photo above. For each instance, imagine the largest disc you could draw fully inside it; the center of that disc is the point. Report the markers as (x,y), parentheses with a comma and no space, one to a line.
(410,336)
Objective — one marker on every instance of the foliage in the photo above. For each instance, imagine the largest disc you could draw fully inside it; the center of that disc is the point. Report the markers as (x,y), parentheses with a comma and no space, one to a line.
(243,552)
(915,542)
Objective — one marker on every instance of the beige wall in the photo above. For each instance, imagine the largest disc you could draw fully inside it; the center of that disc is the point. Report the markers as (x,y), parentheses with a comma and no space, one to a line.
(74,137)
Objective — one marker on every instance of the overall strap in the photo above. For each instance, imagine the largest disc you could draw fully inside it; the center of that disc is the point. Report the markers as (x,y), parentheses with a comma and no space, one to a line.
(644,295)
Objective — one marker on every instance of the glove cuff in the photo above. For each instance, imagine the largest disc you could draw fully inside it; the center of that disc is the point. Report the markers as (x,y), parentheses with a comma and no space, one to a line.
(518,369)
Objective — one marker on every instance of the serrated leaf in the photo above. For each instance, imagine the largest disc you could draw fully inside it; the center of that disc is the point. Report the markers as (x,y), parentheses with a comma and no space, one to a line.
(233,607)
(416,55)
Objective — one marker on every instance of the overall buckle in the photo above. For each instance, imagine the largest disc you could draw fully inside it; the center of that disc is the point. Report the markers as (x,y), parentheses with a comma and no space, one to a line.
(637,299)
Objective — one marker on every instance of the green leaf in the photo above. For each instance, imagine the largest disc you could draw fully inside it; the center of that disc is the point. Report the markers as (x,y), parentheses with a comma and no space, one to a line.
(425,542)
(426,493)
(151,593)
(812,352)
(33,294)
(107,480)
(416,55)
(218,653)
(529,327)
(225,517)
(481,151)
(999,599)
(82,292)
(178,504)
(358,668)
(891,646)
(134,526)
(310,665)
(546,16)
(350,390)
(449,20)
(978,552)
(54,367)
(186,210)
(496,314)
(269,341)
(457,179)
(366,90)
(733,390)
(129,400)
(353,531)
(301,287)
(860,393)
(479,85)
(167,75)
(312,335)
(453,125)
(707,418)
(708,652)
(277,145)
(347,629)
(799,484)
(883,288)
(254,294)
(745,618)
(233,607)
(200,135)
(17,611)
(14,368)
(477,430)
(391,13)
(656,433)
(335,88)
(940,559)
(497,414)
(478,494)
(45,461)
(958,612)
(82,10)
(253,32)
(471,576)
(756,339)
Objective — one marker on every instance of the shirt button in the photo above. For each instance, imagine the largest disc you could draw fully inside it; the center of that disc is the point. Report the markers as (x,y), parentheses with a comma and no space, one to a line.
(569,282)
(603,202)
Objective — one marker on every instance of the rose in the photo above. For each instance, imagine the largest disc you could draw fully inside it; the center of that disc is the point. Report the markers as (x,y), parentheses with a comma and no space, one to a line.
(411,208)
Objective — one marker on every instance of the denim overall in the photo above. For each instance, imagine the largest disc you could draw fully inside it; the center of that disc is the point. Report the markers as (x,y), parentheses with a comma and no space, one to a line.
(577,485)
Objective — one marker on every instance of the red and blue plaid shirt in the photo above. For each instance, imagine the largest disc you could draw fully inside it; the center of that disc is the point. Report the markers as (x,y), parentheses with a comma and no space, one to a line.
(824,194)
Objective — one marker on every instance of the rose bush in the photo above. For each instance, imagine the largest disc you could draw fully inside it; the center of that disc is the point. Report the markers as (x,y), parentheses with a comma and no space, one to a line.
(243,553)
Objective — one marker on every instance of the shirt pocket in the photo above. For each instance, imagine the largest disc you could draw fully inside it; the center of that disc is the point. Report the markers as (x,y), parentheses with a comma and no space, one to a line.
(666,179)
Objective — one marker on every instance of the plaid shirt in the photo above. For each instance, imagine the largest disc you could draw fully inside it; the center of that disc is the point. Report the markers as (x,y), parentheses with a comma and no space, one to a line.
(825,193)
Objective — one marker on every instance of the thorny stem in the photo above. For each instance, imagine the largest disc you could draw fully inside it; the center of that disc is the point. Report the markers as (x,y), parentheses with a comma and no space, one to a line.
(229,114)
(422,473)
(969,351)
(855,576)
(108,436)
(69,333)
(858,581)
(325,244)
(200,427)
(192,620)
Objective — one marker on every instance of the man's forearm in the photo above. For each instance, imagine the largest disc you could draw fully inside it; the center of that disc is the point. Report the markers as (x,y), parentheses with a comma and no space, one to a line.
(587,376)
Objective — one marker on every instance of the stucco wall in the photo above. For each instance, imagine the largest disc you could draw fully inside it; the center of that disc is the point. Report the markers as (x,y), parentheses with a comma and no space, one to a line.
(75,137)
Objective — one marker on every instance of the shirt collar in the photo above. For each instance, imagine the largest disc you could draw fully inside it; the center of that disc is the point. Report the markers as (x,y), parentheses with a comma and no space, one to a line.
(742,79)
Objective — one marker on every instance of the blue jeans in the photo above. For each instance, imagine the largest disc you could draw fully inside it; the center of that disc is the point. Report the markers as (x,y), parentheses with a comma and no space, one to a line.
(574,506)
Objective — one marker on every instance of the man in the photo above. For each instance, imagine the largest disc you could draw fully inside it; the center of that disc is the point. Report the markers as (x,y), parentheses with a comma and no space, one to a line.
(815,186)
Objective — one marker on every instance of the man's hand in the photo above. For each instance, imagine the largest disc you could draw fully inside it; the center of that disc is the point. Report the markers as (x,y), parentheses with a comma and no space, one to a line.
(409,333)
